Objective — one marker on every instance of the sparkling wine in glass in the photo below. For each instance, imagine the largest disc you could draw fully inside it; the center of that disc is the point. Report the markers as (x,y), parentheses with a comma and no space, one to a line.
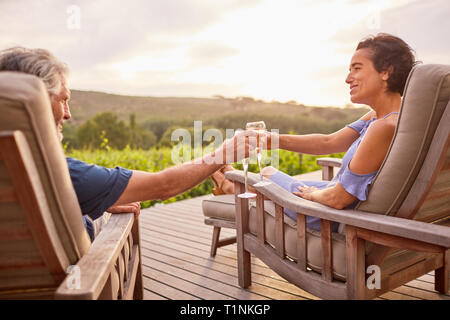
(260,128)
(246,194)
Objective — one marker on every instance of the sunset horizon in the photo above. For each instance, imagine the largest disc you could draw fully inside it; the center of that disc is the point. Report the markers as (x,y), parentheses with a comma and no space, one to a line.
(271,51)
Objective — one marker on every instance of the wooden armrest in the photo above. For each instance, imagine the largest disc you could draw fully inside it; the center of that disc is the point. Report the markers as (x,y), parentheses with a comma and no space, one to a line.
(329,162)
(97,264)
(405,228)
(328,165)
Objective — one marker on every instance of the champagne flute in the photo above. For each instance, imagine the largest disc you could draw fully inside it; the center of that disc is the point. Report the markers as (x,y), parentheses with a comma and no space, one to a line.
(246,194)
(260,128)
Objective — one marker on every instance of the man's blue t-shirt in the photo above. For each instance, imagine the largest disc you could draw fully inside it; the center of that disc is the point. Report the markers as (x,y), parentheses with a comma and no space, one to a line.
(97,188)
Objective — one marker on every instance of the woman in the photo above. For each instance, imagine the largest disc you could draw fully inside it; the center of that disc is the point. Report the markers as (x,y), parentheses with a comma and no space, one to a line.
(377,76)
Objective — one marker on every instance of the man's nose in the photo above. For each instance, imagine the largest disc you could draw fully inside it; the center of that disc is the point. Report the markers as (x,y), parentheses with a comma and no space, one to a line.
(67,114)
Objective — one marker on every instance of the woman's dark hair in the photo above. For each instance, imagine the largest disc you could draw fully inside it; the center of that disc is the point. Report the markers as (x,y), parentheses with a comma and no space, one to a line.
(390,51)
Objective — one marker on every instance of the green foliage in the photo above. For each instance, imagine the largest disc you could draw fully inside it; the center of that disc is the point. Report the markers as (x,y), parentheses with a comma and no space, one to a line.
(166,139)
(92,134)
(106,131)
(160,126)
(70,136)
(139,137)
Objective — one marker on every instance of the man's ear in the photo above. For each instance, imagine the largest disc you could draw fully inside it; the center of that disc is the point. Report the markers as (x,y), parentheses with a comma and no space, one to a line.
(387,73)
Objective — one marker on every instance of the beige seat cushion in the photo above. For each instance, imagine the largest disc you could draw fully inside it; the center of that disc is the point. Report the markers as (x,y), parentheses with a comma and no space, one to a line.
(25,106)
(220,207)
(426,96)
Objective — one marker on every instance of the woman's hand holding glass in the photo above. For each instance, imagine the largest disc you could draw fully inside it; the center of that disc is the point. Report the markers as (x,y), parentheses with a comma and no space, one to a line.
(260,128)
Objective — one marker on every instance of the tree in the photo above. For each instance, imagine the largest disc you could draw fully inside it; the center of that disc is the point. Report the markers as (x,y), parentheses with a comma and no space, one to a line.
(139,137)
(166,139)
(106,130)
(160,126)
(70,140)
(104,125)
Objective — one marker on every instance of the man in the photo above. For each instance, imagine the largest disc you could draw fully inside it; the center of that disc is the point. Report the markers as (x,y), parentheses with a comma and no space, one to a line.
(115,190)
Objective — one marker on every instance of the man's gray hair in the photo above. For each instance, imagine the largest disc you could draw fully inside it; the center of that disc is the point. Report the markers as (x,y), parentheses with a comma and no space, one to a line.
(38,62)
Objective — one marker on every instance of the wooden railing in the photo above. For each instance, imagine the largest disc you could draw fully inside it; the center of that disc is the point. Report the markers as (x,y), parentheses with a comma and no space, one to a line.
(111,269)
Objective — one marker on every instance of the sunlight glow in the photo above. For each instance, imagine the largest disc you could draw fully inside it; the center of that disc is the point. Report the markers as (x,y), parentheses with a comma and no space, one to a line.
(266,49)
(283,51)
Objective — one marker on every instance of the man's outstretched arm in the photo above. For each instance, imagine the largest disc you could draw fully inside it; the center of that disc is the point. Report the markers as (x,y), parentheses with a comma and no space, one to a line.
(175,180)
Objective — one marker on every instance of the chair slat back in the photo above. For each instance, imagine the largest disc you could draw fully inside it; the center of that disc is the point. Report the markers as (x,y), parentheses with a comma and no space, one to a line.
(429,197)
(437,203)
(31,255)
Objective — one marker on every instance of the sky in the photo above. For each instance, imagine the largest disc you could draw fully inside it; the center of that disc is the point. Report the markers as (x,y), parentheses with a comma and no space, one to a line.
(283,50)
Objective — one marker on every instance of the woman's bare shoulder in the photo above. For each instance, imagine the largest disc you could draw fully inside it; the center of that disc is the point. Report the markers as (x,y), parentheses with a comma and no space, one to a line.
(373,147)
(380,131)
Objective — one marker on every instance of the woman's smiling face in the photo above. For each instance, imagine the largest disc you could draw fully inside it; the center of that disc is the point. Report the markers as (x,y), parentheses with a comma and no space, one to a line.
(366,83)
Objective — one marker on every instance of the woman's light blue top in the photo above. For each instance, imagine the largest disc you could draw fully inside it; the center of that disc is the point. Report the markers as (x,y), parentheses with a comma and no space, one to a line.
(353,183)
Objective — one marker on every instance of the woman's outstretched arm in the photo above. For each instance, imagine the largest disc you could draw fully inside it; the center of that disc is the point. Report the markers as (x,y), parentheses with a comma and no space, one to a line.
(317,144)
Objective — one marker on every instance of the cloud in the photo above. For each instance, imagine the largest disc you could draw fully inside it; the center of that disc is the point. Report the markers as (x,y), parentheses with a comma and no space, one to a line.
(110,30)
(210,53)
(283,50)
(425,33)
(424,25)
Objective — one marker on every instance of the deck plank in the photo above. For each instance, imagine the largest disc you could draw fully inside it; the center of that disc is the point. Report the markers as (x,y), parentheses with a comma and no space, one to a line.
(262,284)
(206,277)
(151,295)
(163,289)
(184,285)
(177,265)
(195,240)
(185,249)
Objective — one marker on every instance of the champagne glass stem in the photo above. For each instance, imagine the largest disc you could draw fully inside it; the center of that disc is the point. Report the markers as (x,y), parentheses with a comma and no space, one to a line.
(258,155)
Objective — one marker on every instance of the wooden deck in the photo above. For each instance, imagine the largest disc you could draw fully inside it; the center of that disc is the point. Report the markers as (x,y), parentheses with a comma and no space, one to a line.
(177,265)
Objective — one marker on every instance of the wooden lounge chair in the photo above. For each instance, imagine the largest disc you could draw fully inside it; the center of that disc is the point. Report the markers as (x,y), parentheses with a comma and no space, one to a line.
(42,234)
(398,234)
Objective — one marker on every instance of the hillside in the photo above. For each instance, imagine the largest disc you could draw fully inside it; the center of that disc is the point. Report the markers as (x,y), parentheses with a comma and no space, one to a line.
(86,104)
